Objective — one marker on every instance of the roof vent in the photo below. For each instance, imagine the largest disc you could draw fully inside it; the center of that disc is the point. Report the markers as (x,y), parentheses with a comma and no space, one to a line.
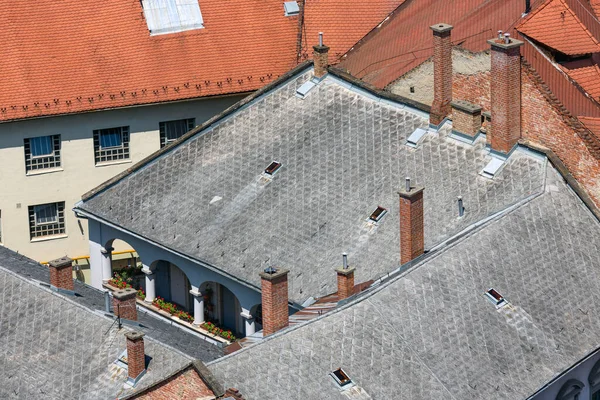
(291,8)
(341,378)
(303,90)
(415,137)
(495,297)
(273,167)
(492,168)
(377,214)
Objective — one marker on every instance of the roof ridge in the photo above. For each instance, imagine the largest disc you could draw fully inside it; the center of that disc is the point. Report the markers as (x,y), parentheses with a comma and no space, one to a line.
(532,14)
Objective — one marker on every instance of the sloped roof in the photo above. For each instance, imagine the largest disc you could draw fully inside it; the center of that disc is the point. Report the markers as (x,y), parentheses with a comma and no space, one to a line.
(596,7)
(54,348)
(343,22)
(593,124)
(555,25)
(588,77)
(431,333)
(77,56)
(405,40)
(342,153)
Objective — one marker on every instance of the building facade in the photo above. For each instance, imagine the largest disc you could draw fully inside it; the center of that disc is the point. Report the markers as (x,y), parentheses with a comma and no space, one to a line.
(47,163)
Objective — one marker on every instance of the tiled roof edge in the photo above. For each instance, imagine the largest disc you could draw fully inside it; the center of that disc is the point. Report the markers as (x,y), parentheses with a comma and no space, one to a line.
(376,91)
(141,391)
(137,166)
(564,172)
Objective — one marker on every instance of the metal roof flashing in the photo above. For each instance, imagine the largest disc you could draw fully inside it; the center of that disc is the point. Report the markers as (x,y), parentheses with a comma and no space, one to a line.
(415,138)
(306,87)
(492,168)
(291,8)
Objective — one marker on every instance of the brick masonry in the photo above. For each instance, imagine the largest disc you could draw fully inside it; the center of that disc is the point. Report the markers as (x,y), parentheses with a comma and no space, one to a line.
(466,120)
(124,304)
(274,292)
(412,239)
(472,88)
(345,282)
(442,73)
(61,273)
(136,356)
(321,60)
(505,87)
(186,385)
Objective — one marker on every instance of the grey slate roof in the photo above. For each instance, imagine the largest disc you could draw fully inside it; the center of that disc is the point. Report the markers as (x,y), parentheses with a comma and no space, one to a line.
(53,348)
(93,299)
(343,154)
(432,334)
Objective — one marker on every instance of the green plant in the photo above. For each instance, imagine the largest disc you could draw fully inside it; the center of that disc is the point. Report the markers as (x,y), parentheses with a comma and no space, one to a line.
(215,330)
(118,281)
(140,294)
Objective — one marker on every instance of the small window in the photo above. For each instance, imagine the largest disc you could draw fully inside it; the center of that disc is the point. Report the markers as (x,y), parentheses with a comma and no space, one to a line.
(111,144)
(170,131)
(291,8)
(495,297)
(378,214)
(341,377)
(170,16)
(272,168)
(42,152)
(47,219)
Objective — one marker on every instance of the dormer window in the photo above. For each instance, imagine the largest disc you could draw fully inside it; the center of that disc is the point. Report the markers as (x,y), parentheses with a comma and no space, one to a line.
(171,16)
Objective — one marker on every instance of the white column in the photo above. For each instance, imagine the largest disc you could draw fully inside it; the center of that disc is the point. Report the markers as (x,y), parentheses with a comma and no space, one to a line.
(96,264)
(150,285)
(198,307)
(249,325)
(106,263)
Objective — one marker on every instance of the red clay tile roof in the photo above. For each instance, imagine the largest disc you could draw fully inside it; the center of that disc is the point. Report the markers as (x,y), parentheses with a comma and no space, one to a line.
(75,56)
(596,7)
(347,20)
(405,40)
(555,25)
(593,124)
(588,77)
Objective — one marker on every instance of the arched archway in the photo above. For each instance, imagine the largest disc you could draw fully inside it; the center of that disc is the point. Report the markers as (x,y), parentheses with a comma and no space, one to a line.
(121,263)
(172,284)
(256,313)
(222,307)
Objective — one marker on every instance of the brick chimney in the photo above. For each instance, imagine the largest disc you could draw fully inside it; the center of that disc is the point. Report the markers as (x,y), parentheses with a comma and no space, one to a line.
(320,57)
(442,73)
(136,357)
(61,274)
(412,239)
(274,292)
(505,87)
(345,279)
(124,304)
(466,118)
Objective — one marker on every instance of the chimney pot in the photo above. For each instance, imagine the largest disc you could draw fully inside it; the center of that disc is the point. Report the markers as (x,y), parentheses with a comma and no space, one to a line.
(61,274)
(274,294)
(412,240)
(345,260)
(320,58)
(461,209)
(407,184)
(136,357)
(442,74)
(500,33)
(506,38)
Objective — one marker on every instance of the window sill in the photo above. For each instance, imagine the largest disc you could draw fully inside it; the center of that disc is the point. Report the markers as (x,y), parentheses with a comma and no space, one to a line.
(43,171)
(46,238)
(109,163)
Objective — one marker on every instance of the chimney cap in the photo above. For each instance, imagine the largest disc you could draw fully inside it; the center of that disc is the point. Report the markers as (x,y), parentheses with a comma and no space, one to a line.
(125,294)
(61,262)
(505,46)
(414,191)
(272,273)
(441,28)
(466,106)
(134,335)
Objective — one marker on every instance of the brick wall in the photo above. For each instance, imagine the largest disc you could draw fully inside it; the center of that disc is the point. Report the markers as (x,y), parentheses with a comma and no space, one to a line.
(136,356)
(442,76)
(274,292)
(124,305)
(544,123)
(321,60)
(472,88)
(412,239)
(345,283)
(61,273)
(185,386)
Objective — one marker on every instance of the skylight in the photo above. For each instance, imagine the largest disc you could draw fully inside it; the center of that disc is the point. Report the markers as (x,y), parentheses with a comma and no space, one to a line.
(377,214)
(272,168)
(495,297)
(291,8)
(170,16)
(340,377)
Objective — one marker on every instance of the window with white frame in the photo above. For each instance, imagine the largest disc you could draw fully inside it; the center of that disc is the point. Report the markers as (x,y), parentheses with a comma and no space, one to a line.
(111,144)
(170,16)
(42,152)
(47,219)
(170,131)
